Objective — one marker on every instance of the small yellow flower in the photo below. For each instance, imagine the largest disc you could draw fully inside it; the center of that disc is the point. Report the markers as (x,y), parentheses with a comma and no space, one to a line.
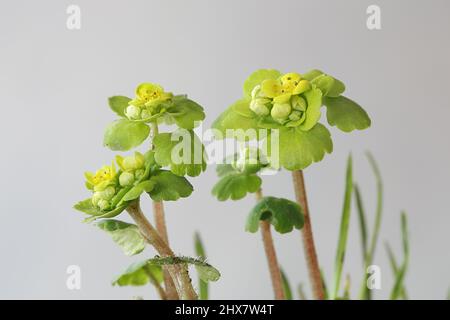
(150,93)
(289,81)
(271,88)
(102,177)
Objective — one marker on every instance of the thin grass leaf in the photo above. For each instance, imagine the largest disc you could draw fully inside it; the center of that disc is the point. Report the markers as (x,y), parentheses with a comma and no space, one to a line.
(286,286)
(343,231)
(394,268)
(301,292)
(365,293)
(362,221)
(200,252)
(324,284)
(400,276)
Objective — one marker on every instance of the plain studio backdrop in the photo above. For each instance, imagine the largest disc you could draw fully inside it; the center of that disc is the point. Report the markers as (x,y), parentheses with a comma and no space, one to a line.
(54,84)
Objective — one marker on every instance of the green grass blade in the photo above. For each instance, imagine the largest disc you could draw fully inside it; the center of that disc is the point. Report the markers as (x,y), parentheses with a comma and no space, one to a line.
(362,221)
(301,292)
(376,228)
(365,293)
(400,276)
(394,268)
(324,284)
(200,252)
(343,232)
(286,286)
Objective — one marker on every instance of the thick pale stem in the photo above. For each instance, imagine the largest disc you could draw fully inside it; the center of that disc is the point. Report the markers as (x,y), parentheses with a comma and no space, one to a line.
(158,213)
(307,235)
(177,272)
(274,268)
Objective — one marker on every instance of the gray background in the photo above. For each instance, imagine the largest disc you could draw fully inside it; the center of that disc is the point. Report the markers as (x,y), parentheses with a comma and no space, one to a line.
(54,84)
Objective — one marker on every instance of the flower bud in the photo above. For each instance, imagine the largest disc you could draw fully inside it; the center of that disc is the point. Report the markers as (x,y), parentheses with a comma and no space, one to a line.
(96,197)
(103,204)
(139,173)
(133,112)
(256,90)
(295,115)
(108,193)
(126,179)
(259,107)
(298,103)
(145,114)
(280,111)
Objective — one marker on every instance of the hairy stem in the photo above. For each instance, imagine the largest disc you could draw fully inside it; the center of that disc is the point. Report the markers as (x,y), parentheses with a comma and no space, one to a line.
(274,268)
(178,273)
(160,222)
(307,235)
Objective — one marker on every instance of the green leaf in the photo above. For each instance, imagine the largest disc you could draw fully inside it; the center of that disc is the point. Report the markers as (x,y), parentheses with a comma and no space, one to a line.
(122,135)
(118,104)
(87,207)
(400,276)
(286,286)
(126,235)
(205,271)
(233,124)
(362,221)
(343,230)
(236,185)
(182,151)
(200,252)
(139,274)
(298,148)
(330,87)
(185,112)
(365,293)
(169,187)
(395,268)
(257,77)
(312,74)
(283,214)
(137,190)
(346,114)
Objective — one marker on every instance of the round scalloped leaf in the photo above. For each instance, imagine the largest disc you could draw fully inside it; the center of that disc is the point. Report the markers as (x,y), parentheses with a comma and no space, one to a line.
(257,77)
(122,135)
(126,235)
(283,214)
(236,185)
(169,187)
(346,114)
(298,148)
(330,87)
(186,113)
(139,274)
(181,151)
(118,104)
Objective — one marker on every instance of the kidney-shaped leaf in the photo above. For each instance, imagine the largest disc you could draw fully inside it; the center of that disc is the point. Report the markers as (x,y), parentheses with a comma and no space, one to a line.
(126,235)
(283,214)
(122,135)
(346,114)
(139,274)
